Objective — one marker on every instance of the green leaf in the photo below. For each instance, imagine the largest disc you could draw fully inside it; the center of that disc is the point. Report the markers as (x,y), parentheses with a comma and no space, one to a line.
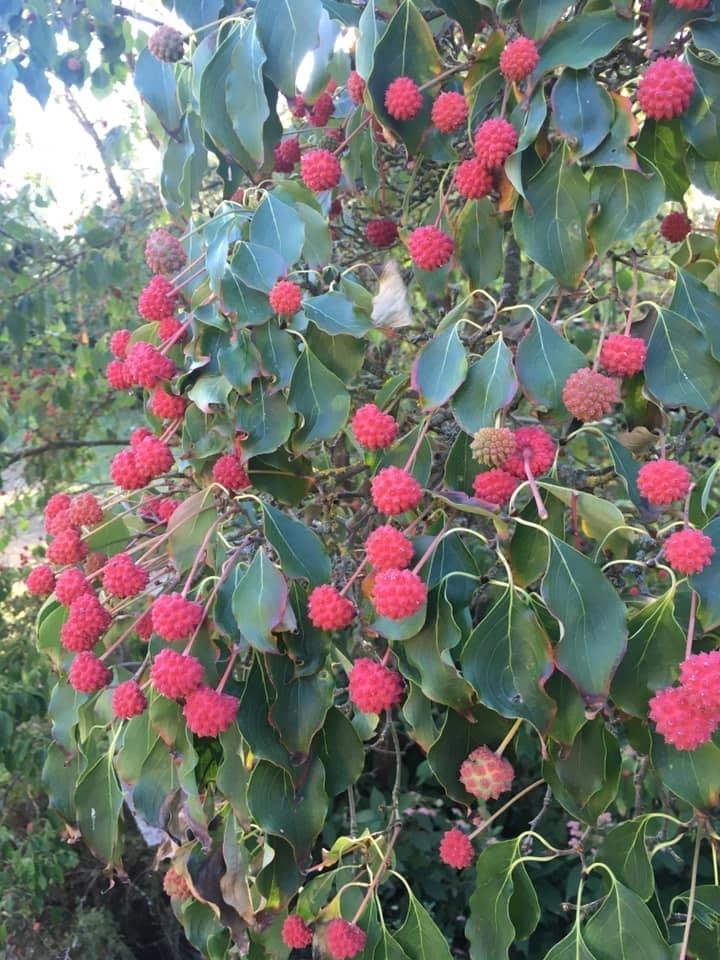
(656,645)
(157,783)
(321,400)
(341,752)
(265,418)
(457,738)
(624,850)
(701,121)
(188,526)
(214,109)
(479,242)
(277,226)
(155,82)
(538,16)
(406,49)
(260,603)
(544,361)
(240,362)
(252,718)
(625,200)
(300,550)
(663,144)
(582,110)
(693,301)
(335,314)
(287,30)
(245,97)
(625,927)
(692,775)
(343,355)
(489,387)
(582,39)
(551,226)
(591,617)
(440,368)
(98,802)
(278,352)
(584,777)
(666,21)
(598,517)
(300,706)
(707,583)
(257,266)
(296,815)
(571,947)
(370,29)
(210,391)
(508,659)
(419,936)
(680,370)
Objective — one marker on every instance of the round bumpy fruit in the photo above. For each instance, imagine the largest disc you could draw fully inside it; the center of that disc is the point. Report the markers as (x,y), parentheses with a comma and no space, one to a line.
(176,886)
(495,486)
(374,429)
(356,87)
(449,111)
(209,713)
(128,700)
(486,775)
(622,355)
(164,253)
(230,473)
(174,617)
(534,449)
(590,395)
(125,472)
(689,4)
(403,99)
(662,482)
(320,170)
(492,446)
(382,232)
(117,375)
(518,59)
(495,140)
(146,366)
(286,155)
(344,939)
(157,301)
(473,180)
(681,718)
(689,551)
(85,510)
(41,581)
(321,110)
(285,297)
(666,89)
(167,44)
(175,675)
(387,548)
(166,406)
(70,585)
(67,547)
(456,849)
(119,343)
(87,673)
(675,227)
(153,457)
(123,577)
(373,687)
(429,247)
(700,676)
(395,490)
(296,933)
(56,504)
(328,610)
(398,594)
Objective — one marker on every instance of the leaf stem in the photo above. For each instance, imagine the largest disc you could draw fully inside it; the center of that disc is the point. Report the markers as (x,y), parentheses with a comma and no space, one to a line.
(691,898)
(508,736)
(506,806)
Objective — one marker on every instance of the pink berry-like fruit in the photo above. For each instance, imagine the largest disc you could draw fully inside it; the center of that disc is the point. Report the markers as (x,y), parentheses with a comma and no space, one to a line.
(662,482)
(518,59)
(230,473)
(666,89)
(398,594)
(449,111)
(456,849)
(167,44)
(166,406)
(473,180)
(429,247)
(622,355)
(681,718)
(328,610)
(174,617)
(382,232)
(590,395)
(320,170)
(67,547)
(495,140)
(689,551)
(123,577)
(374,688)
(533,446)
(492,446)
(285,297)
(41,581)
(164,253)
(387,548)
(395,490)
(675,227)
(296,933)
(70,585)
(403,99)
(128,700)
(356,87)
(374,429)
(344,939)
(486,775)
(175,675)
(87,673)
(157,300)
(209,713)
(119,343)
(495,486)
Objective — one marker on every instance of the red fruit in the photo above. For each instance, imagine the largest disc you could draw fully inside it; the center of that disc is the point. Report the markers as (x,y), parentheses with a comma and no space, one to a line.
(328,610)
(128,700)
(590,395)
(123,577)
(534,445)
(285,297)
(486,775)
(146,366)
(495,486)
(144,627)
(700,676)
(430,248)
(403,99)
(449,111)
(125,472)
(689,4)
(296,933)
(355,87)
(61,521)
(56,504)
(176,886)
(167,44)
(169,328)
(164,253)
(387,548)
(398,594)
(373,687)
(518,59)
(666,88)
(321,110)
(473,180)
(689,551)
(70,585)
(166,508)
(675,226)
(373,429)
(140,434)
(87,621)
(320,170)
(663,481)
(119,343)
(41,581)
(153,457)
(382,232)
(286,154)
(166,406)
(67,547)
(157,300)
(175,675)
(344,939)
(85,510)
(456,849)
(681,718)
(209,713)
(87,674)
(230,473)
(118,375)
(492,446)
(622,356)
(495,140)
(174,617)
(394,491)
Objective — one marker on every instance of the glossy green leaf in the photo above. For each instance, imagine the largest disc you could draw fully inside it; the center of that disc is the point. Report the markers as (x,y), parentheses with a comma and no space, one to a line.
(257,265)
(252,718)
(321,400)
(213,106)
(625,927)
(583,39)
(625,199)
(188,526)
(370,28)
(266,419)
(707,583)
(489,387)
(440,368)
(420,937)
(597,517)
(277,226)
(544,361)
(663,144)
(260,603)
(538,16)
(508,659)
(582,111)
(295,814)
(693,301)
(98,803)
(301,703)
(341,752)
(666,20)
(701,121)
(245,97)
(591,617)
(624,850)
(571,947)
(680,370)
(287,31)
(692,775)
(479,243)
(585,776)
(300,550)
(240,362)
(335,315)
(155,82)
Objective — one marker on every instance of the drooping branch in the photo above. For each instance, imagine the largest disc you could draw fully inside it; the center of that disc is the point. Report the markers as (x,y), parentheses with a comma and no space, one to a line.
(88,127)
(8,459)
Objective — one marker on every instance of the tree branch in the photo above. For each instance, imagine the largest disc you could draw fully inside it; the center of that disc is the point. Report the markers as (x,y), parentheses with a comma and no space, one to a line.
(90,130)
(8,459)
